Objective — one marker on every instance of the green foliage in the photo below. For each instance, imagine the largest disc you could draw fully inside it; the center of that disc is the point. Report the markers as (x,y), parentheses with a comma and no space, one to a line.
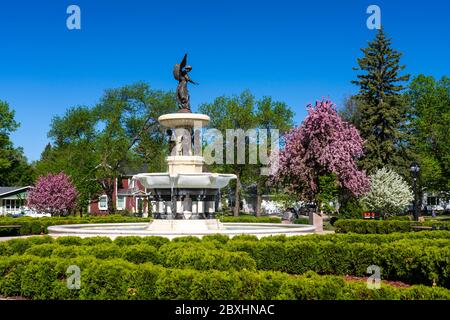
(251,219)
(429,116)
(245,112)
(141,254)
(301,221)
(240,268)
(328,190)
(45,278)
(14,167)
(351,208)
(92,144)
(30,226)
(207,259)
(384,226)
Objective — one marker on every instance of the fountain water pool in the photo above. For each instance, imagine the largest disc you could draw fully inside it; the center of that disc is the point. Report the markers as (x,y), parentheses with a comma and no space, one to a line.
(180,228)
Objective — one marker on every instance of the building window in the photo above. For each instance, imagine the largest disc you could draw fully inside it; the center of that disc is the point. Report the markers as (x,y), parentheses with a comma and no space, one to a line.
(120,202)
(432,201)
(103,202)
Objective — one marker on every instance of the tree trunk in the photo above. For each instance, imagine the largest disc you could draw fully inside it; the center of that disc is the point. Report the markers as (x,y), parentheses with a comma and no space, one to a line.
(110,194)
(258,197)
(108,189)
(237,195)
(258,204)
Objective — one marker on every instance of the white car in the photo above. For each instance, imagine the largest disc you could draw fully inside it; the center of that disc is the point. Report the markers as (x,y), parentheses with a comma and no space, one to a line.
(34,214)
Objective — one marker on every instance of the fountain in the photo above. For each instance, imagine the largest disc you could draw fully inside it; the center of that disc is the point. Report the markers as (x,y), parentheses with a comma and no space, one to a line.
(184,199)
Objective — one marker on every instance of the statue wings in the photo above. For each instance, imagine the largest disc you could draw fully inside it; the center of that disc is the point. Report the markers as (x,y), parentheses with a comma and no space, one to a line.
(179,67)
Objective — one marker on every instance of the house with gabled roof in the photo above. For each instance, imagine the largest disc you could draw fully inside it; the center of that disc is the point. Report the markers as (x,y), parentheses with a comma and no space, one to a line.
(13,200)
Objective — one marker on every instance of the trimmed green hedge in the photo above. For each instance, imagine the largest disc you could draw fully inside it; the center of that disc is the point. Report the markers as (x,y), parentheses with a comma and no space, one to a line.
(404,260)
(384,226)
(46,278)
(301,221)
(31,226)
(252,219)
(417,257)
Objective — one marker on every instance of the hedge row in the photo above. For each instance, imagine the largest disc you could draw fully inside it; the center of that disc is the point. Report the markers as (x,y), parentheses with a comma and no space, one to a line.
(177,255)
(30,226)
(407,261)
(384,226)
(252,219)
(46,278)
(424,258)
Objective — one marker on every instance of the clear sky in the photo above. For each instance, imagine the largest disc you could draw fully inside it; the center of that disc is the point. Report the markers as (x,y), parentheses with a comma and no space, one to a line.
(294,51)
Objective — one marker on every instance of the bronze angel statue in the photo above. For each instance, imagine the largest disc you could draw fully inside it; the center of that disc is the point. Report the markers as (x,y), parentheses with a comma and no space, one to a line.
(180,72)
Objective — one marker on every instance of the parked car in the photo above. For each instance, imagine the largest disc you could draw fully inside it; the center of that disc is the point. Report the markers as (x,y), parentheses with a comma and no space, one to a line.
(34,214)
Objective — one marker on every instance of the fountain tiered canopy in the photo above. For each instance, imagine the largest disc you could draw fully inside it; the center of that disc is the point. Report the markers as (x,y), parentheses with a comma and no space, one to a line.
(184,191)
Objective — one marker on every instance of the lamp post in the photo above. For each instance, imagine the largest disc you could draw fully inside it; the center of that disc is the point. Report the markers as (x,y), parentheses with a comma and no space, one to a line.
(414,168)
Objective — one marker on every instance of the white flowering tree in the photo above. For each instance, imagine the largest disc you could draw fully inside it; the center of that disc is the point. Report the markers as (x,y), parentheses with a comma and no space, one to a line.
(389,194)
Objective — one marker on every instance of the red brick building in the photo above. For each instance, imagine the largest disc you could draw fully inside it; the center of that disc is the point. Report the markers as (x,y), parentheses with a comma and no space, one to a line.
(129,195)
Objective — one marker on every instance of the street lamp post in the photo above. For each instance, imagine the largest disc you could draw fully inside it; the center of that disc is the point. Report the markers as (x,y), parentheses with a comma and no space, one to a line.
(415,172)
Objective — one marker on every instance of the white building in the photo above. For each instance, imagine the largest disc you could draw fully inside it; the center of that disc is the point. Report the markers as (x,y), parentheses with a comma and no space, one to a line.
(13,200)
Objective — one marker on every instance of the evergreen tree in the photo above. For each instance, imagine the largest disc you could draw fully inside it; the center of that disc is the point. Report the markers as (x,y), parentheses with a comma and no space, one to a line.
(382,105)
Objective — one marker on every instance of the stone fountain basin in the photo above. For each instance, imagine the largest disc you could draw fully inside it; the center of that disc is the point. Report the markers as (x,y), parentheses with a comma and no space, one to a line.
(184,120)
(113,230)
(205,180)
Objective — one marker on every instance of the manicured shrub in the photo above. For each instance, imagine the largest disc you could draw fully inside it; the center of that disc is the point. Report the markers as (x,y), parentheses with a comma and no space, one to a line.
(214,285)
(92,241)
(126,241)
(155,241)
(384,226)
(46,278)
(11,271)
(186,239)
(141,254)
(373,226)
(246,237)
(281,238)
(202,259)
(222,238)
(250,219)
(301,221)
(108,279)
(69,241)
(41,250)
(143,281)
(69,251)
(37,279)
(174,284)
(399,218)
(104,251)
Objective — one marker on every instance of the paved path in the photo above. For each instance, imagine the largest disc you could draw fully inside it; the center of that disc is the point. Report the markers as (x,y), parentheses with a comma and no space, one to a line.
(18,237)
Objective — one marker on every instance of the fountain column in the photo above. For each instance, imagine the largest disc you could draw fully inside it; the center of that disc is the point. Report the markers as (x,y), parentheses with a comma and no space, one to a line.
(201,206)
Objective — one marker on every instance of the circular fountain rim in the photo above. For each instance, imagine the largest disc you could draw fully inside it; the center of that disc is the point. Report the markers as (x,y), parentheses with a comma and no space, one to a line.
(265,229)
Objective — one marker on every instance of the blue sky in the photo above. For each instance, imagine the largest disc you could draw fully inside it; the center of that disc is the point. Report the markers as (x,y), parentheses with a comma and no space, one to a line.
(293,51)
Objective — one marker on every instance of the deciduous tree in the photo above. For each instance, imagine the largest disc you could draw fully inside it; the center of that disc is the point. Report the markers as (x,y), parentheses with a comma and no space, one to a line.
(324,144)
(389,193)
(54,194)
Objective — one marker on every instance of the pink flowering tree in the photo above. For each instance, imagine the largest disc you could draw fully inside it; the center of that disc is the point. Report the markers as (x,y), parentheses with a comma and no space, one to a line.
(53,194)
(323,146)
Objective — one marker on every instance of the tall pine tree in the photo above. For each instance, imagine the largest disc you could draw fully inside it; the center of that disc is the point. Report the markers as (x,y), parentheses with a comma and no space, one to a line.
(382,106)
